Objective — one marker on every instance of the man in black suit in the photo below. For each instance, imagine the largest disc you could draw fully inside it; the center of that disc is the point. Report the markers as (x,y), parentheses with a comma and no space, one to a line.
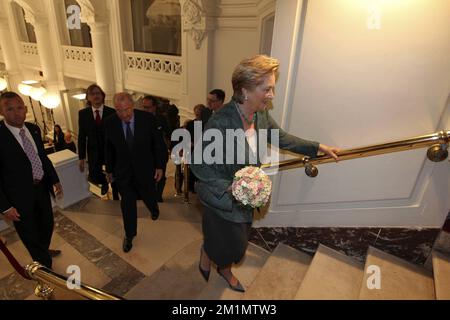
(150,104)
(91,135)
(135,155)
(215,99)
(27,176)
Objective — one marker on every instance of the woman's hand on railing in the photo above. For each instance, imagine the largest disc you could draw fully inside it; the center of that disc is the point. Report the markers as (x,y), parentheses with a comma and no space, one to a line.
(331,151)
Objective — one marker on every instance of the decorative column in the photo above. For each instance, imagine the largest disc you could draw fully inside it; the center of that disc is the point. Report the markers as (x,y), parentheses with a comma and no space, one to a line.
(9,54)
(40,22)
(44,44)
(101,45)
(196,50)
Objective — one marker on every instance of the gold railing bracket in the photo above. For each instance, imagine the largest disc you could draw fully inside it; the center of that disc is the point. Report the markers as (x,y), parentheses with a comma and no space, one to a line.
(44,291)
(310,169)
(437,152)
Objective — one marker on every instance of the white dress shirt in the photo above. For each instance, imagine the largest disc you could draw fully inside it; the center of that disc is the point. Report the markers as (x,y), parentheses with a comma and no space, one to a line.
(100,111)
(16,133)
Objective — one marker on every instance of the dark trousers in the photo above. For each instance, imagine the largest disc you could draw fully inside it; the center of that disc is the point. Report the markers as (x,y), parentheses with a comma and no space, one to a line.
(130,193)
(96,174)
(36,226)
(161,184)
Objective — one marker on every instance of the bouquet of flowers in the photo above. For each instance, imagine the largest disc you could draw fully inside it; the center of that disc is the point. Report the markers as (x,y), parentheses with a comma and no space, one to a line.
(252,187)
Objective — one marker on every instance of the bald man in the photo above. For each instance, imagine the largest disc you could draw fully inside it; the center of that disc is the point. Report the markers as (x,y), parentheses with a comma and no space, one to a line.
(135,155)
(27,178)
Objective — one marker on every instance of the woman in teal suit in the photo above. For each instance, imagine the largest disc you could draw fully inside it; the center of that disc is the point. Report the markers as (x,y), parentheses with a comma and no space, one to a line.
(226,224)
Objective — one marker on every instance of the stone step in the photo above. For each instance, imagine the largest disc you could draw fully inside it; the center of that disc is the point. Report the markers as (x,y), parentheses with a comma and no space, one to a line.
(332,276)
(173,209)
(281,275)
(218,289)
(177,279)
(399,279)
(441,270)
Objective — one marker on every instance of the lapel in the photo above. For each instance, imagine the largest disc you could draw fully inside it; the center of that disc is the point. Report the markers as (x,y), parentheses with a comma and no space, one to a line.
(237,122)
(138,127)
(9,137)
(90,115)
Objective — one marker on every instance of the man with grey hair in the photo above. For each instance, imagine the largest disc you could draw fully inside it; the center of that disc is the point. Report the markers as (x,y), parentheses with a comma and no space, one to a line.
(134,154)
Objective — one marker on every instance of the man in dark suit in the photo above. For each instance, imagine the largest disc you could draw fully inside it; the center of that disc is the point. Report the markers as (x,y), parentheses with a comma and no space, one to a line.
(91,135)
(215,99)
(150,104)
(135,155)
(27,176)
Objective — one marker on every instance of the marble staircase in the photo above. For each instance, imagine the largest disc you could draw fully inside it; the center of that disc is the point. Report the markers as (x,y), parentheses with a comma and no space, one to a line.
(163,264)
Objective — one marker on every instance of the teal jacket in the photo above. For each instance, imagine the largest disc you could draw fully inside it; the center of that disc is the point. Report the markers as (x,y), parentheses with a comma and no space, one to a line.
(215,179)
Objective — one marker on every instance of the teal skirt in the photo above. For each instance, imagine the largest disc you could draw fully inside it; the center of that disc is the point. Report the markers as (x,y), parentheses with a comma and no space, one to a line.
(225,242)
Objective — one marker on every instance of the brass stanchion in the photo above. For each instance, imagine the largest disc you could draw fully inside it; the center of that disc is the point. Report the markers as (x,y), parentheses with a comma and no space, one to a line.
(186,183)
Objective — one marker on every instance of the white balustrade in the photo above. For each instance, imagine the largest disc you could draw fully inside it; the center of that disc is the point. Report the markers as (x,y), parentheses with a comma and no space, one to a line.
(136,61)
(78,54)
(30,49)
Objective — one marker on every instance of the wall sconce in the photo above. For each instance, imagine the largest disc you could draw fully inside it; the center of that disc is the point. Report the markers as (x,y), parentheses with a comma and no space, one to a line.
(37,93)
(50,100)
(80,96)
(30,82)
(25,89)
(3,84)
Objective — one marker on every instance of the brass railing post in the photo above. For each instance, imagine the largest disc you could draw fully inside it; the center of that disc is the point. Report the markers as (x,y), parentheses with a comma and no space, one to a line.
(186,182)
(42,290)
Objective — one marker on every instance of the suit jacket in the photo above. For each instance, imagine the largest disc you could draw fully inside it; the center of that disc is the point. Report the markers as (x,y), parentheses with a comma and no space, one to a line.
(215,179)
(16,175)
(92,136)
(148,152)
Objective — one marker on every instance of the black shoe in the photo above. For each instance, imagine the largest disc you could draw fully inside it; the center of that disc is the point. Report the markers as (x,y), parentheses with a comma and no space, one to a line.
(127,244)
(155,214)
(105,188)
(238,287)
(204,273)
(54,253)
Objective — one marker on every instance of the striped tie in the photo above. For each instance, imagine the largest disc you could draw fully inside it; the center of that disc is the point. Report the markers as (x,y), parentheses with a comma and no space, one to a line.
(36,164)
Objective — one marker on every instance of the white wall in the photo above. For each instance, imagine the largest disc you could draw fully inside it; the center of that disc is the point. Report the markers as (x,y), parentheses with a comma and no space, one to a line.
(237,36)
(229,50)
(347,85)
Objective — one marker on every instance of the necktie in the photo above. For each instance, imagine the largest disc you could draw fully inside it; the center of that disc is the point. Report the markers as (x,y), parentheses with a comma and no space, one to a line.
(36,164)
(129,138)
(98,120)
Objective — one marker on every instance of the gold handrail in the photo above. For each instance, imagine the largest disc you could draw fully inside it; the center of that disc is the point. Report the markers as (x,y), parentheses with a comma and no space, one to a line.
(45,276)
(438,143)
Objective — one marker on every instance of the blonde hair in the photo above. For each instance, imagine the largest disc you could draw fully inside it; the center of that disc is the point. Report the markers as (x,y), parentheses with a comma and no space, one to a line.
(251,72)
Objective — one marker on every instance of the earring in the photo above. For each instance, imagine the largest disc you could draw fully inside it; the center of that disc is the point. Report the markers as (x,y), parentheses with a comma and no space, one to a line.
(246,98)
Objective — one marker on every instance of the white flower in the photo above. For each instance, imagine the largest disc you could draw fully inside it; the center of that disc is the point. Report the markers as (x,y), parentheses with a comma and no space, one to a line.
(252,187)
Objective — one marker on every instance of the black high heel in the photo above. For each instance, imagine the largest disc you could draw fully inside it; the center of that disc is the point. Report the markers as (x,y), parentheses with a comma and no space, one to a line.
(238,287)
(205,274)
